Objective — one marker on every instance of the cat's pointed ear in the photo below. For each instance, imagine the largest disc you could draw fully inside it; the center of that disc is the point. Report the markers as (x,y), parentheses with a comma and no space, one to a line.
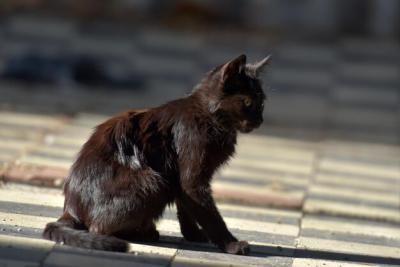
(233,67)
(255,69)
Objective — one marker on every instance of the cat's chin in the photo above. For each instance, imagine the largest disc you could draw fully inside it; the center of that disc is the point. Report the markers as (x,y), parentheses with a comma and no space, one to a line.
(246,130)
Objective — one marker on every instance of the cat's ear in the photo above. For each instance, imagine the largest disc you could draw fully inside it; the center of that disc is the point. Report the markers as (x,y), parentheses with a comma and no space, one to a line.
(233,67)
(255,69)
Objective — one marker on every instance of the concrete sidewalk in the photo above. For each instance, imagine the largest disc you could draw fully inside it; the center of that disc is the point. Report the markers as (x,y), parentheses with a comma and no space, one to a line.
(302,203)
(319,185)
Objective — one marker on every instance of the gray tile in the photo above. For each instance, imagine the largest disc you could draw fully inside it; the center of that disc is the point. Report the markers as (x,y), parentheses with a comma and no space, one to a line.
(351,237)
(68,256)
(190,258)
(349,200)
(24,249)
(30,209)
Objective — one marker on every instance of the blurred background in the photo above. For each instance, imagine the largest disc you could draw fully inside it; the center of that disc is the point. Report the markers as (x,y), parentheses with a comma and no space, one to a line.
(336,63)
(335,72)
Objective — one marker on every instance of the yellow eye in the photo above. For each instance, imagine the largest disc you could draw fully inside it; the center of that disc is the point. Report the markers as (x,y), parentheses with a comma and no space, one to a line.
(247,102)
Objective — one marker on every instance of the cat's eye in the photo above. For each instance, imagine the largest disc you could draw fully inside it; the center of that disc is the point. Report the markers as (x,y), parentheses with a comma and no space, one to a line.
(247,102)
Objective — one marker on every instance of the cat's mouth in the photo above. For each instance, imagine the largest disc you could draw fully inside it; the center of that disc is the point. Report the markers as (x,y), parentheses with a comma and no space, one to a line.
(246,126)
(246,130)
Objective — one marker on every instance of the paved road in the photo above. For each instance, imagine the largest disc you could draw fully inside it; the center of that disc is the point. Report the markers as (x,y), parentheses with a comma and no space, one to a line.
(336,202)
(319,185)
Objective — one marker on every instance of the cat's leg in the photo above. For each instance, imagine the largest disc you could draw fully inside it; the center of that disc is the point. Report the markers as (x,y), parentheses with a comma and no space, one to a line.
(198,202)
(149,232)
(189,228)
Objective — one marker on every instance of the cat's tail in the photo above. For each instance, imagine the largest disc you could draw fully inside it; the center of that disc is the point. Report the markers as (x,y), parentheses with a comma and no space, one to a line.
(63,232)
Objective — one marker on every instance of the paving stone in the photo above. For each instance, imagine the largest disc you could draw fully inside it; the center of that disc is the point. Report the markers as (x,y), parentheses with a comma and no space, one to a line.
(256,176)
(361,157)
(70,142)
(315,78)
(273,165)
(366,96)
(44,28)
(15,133)
(366,135)
(62,256)
(383,172)
(170,68)
(156,249)
(23,194)
(352,250)
(29,209)
(15,146)
(298,114)
(356,194)
(363,202)
(62,153)
(174,44)
(350,237)
(284,142)
(7,156)
(196,258)
(39,175)
(352,230)
(271,151)
(257,196)
(240,224)
(318,206)
(357,117)
(30,120)
(22,220)
(167,88)
(357,182)
(45,161)
(328,263)
(307,54)
(385,74)
(268,230)
(103,46)
(336,147)
(23,251)
(302,132)
(362,149)
(386,51)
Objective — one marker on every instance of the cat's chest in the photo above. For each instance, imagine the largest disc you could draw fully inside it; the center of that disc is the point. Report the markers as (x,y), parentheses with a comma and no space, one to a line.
(220,148)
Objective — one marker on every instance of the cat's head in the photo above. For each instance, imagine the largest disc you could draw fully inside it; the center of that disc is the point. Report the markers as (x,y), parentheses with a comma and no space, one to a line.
(239,97)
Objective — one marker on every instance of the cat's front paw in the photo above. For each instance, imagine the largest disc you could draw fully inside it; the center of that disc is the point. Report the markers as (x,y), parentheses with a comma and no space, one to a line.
(237,247)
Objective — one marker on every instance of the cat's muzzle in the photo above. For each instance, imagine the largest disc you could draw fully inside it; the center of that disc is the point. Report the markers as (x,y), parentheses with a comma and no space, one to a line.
(246,126)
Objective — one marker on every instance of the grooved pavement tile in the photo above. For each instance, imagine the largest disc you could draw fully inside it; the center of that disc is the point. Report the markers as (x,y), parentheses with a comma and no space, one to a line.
(327,263)
(31,121)
(338,239)
(368,96)
(365,179)
(204,258)
(66,256)
(20,251)
(48,164)
(269,231)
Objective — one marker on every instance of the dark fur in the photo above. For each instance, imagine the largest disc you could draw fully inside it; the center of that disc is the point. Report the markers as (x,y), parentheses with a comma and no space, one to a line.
(137,163)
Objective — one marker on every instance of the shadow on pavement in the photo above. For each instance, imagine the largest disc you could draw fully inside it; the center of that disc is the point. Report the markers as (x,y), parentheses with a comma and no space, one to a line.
(263,251)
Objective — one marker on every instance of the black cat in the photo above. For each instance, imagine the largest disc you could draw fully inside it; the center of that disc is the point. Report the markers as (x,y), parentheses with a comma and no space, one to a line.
(137,163)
